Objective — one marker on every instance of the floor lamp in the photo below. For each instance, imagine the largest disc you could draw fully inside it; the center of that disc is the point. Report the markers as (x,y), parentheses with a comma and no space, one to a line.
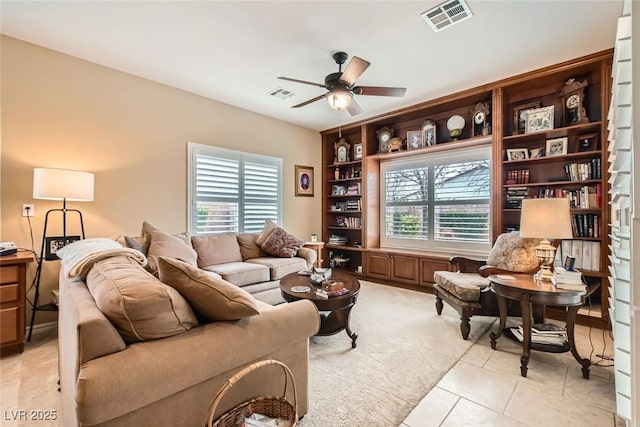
(546,218)
(65,185)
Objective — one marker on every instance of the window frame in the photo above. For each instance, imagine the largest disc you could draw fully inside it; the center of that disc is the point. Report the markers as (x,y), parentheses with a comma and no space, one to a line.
(195,149)
(430,159)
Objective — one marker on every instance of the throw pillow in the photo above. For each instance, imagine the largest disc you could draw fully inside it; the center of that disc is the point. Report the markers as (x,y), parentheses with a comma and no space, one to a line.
(164,244)
(138,305)
(141,243)
(269,226)
(282,244)
(514,253)
(210,297)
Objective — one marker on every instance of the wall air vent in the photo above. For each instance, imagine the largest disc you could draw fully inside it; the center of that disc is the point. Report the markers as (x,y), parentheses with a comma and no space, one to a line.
(446,14)
(281,93)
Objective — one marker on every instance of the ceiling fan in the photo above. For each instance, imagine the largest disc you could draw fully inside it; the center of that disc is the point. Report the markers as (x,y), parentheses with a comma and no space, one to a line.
(341,85)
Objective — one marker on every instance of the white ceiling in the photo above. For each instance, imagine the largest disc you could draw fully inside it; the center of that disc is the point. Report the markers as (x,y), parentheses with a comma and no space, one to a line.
(232,51)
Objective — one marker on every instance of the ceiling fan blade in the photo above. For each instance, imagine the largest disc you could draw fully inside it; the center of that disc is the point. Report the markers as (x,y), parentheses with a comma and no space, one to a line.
(354,108)
(302,81)
(354,69)
(379,90)
(302,104)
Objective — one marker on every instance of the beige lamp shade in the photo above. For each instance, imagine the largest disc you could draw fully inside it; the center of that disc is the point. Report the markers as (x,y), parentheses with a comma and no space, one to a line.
(61,184)
(548,218)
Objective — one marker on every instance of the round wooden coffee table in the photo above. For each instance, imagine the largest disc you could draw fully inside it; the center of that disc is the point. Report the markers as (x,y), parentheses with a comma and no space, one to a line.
(334,312)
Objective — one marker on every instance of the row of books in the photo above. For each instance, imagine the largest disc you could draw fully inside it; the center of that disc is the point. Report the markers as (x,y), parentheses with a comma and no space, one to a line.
(584,171)
(517,176)
(348,221)
(513,197)
(349,205)
(546,333)
(585,225)
(338,239)
(586,254)
(587,197)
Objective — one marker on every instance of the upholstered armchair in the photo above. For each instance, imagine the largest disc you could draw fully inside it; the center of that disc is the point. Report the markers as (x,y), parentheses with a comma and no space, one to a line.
(465,286)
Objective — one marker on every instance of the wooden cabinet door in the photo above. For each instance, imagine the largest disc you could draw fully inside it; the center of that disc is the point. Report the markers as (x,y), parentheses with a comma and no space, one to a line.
(428,266)
(378,266)
(405,269)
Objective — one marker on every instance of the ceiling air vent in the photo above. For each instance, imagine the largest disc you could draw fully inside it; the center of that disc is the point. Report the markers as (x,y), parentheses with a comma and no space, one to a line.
(281,93)
(446,14)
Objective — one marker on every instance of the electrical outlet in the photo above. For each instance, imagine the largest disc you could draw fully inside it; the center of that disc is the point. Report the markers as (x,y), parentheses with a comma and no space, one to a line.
(28,209)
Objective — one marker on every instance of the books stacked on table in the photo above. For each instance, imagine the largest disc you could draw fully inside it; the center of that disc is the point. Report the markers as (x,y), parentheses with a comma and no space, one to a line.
(567,279)
(324,293)
(543,333)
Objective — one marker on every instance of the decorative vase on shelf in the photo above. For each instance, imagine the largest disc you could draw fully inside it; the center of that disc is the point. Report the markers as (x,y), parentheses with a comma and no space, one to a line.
(455,124)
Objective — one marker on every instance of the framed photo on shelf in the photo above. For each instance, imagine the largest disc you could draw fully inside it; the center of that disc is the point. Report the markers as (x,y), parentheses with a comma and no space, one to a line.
(587,142)
(338,190)
(539,119)
(357,151)
(54,244)
(557,146)
(517,153)
(535,153)
(428,133)
(304,180)
(414,139)
(520,115)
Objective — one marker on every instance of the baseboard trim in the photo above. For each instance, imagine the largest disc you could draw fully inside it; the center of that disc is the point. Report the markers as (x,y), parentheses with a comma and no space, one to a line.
(42,328)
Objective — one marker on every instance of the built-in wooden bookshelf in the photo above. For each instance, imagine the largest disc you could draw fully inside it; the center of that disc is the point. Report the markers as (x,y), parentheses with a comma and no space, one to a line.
(577,170)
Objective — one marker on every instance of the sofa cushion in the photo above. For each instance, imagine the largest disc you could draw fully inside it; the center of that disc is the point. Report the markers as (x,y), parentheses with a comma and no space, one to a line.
(466,286)
(248,246)
(218,249)
(514,253)
(241,273)
(269,226)
(212,298)
(280,267)
(281,244)
(166,245)
(138,305)
(266,292)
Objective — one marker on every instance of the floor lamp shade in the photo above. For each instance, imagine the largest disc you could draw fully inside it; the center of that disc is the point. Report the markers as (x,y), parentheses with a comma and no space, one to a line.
(61,184)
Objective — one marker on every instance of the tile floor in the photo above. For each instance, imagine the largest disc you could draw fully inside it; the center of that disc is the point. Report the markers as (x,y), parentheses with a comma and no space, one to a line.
(485,387)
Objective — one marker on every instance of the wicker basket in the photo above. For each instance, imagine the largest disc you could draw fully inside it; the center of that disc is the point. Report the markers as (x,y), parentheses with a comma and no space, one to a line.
(271,406)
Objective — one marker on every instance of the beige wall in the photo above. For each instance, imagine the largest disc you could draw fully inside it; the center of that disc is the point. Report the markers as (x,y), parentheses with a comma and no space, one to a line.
(63,112)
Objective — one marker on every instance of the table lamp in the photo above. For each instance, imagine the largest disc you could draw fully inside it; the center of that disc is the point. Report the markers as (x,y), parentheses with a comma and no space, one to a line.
(58,184)
(546,218)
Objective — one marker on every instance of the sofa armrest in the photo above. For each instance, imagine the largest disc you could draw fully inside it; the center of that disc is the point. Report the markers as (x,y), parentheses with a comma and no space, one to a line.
(465,265)
(309,255)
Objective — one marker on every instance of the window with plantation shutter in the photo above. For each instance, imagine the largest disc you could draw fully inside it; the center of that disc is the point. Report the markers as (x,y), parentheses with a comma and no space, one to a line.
(438,202)
(232,191)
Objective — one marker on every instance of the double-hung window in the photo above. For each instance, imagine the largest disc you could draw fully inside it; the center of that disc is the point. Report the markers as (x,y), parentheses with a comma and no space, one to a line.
(438,201)
(232,191)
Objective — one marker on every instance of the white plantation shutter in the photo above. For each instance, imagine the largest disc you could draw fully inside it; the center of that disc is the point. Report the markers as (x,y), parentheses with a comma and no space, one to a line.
(438,202)
(232,191)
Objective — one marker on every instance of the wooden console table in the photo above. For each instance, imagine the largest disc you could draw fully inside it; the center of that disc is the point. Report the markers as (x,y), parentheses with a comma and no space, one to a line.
(522,288)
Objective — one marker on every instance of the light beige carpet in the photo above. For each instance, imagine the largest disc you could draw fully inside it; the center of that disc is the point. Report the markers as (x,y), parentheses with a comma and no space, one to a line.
(403,349)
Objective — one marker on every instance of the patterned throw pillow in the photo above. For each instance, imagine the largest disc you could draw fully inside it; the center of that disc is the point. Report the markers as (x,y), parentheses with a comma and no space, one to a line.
(282,244)
(514,253)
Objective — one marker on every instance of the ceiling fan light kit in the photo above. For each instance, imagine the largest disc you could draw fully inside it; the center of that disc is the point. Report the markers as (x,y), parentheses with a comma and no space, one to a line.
(341,85)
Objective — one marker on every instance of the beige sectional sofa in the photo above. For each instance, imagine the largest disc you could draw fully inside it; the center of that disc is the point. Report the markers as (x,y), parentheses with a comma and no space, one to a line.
(117,370)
